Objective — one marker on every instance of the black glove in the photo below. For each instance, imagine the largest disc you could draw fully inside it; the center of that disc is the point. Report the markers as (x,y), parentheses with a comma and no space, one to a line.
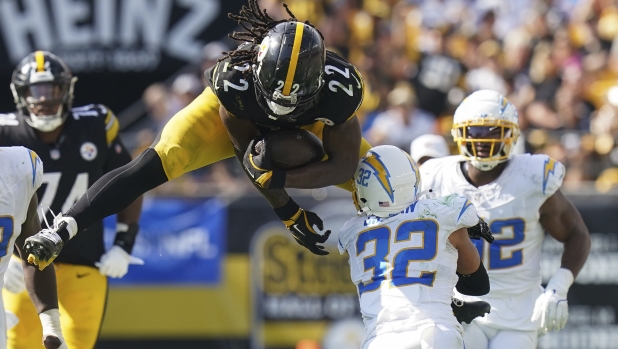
(258,165)
(300,223)
(481,230)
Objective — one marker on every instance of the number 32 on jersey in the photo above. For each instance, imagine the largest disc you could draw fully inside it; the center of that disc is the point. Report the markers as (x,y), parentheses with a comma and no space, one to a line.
(404,260)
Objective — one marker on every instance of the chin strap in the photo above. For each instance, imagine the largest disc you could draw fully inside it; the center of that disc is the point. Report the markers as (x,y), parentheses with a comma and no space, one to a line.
(424,192)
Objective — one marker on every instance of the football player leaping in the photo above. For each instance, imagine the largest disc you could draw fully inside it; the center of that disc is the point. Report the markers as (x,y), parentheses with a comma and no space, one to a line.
(519,197)
(405,255)
(281,77)
(22,175)
(77,145)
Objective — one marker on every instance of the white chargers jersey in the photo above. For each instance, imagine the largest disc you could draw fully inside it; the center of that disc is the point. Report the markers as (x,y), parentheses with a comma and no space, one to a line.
(21,174)
(510,205)
(404,266)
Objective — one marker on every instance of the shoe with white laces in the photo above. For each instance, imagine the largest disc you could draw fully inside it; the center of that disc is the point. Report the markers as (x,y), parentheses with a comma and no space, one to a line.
(43,247)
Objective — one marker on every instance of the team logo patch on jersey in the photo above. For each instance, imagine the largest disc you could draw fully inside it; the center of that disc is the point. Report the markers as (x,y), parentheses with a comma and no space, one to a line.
(549,168)
(328,122)
(464,208)
(89,151)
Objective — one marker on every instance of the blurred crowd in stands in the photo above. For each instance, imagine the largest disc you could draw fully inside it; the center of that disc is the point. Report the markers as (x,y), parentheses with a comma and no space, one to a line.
(557,61)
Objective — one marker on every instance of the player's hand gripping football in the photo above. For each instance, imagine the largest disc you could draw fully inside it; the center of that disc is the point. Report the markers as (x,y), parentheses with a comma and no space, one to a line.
(481,230)
(257,162)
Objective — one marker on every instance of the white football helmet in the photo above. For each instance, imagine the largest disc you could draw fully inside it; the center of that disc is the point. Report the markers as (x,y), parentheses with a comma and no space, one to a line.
(485,128)
(387,181)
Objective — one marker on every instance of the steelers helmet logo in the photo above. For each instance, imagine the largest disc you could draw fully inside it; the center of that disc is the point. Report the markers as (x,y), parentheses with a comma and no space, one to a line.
(263,49)
(89,151)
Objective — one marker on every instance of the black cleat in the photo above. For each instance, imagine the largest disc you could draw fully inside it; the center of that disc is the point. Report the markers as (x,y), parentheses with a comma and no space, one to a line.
(43,247)
(468,311)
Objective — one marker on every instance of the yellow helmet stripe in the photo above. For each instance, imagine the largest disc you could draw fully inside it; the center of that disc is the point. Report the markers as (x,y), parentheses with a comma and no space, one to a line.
(40,60)
(289,78)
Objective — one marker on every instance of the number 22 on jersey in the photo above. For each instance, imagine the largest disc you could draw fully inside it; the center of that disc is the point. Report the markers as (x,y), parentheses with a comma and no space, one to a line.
(403,261)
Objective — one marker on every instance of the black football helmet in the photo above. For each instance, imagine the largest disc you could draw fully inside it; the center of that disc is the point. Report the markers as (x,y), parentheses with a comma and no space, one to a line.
(290,69)
(42,87)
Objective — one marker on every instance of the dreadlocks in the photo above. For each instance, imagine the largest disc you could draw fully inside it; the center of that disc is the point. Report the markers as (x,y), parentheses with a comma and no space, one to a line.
(257,24)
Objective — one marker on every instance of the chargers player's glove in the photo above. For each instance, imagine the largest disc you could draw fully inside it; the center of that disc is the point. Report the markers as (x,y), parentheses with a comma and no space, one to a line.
(14,277)
(481,230)
(551,307)
(115,262)
(258,164)
(300,223)
(52,332)
(43,247)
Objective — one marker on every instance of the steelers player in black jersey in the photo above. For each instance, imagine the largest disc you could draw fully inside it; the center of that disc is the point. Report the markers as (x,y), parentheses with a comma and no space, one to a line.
(281,77)
(77,147)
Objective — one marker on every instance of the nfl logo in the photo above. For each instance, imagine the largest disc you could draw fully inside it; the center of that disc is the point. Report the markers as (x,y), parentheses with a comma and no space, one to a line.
(383,204)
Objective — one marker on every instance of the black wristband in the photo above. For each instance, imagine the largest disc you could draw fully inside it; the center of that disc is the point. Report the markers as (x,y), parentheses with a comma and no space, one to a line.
(287,211)
(63,232)
(126,239)
(277,181)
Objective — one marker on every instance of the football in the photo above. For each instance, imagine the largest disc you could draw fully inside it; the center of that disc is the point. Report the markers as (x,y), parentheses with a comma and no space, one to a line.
(294,148)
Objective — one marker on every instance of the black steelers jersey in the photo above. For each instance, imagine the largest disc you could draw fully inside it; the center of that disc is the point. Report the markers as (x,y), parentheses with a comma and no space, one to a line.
(88,148)
(340,97)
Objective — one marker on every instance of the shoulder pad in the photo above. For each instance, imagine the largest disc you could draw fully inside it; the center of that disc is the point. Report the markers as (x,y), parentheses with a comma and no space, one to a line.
(8,120)
(455,209)
(37,169)
(546,172)
(465,214)
(348,232)
(343,89)
(25,164)
(89,111)
(99,111)
(233,87)
(431,174)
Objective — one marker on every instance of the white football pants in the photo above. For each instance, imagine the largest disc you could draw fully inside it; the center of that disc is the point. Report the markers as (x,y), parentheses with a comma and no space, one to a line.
(430,336)
(479,336)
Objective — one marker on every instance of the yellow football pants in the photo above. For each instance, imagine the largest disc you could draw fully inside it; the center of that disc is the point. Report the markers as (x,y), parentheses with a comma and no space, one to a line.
(195,137)
(82,293)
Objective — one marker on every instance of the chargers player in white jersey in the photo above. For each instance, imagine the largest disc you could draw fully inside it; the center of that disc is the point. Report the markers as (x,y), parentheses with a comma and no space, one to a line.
(405,255)
(519,196)
(21,175)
